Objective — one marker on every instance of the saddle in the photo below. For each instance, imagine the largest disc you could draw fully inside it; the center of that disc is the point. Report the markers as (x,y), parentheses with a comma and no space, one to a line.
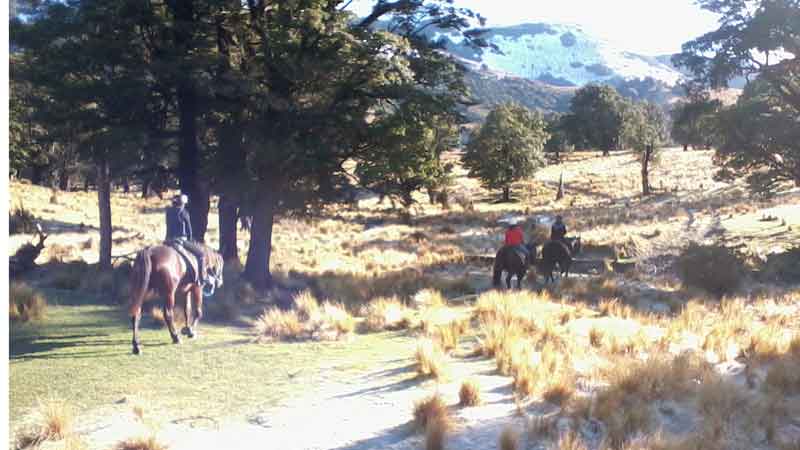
(188,258)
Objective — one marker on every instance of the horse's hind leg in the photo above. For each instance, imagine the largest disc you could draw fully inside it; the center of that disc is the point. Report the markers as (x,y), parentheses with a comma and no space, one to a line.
(169,308)
(187,313)
(135,318)
(197,304)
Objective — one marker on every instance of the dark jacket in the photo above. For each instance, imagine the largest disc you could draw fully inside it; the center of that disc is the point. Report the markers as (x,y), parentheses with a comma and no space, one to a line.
(558,232)
(178,223)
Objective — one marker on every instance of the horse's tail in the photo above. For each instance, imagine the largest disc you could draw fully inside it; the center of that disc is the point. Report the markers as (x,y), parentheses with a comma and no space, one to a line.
(140,280)
(497,271)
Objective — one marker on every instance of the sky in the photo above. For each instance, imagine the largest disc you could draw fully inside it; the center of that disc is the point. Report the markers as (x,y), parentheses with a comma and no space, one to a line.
(649,27)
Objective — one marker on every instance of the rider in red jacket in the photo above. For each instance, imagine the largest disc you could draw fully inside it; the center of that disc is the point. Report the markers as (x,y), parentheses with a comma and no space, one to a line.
(514,235)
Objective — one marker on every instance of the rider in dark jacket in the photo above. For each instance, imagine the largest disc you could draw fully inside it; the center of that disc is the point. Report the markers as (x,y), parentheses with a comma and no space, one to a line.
(179,232)
(558,232)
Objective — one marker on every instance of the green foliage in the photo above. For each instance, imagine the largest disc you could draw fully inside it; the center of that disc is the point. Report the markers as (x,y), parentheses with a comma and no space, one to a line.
(595,118)
(407,152)
(644,125)
(760,140)
(714,268)
(693,120)
(558,142)
(507,147)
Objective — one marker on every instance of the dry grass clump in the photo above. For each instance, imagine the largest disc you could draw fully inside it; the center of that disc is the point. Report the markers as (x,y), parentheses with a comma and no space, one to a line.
(714,268)
(435,433)
(52,420)
(430,359)
(21,221)
(470,393)
(309,320)
(386,314)
(430,410)
(449,334)
(509,439)
(569,441)
(140,443)
(25,303)
(278,325)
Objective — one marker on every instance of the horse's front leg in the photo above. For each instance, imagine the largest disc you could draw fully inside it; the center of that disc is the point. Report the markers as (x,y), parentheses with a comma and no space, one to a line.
(169,309)
(197,305)
(508,279)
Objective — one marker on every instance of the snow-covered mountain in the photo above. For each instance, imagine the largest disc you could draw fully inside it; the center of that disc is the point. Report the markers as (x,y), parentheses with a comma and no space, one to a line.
(561,55)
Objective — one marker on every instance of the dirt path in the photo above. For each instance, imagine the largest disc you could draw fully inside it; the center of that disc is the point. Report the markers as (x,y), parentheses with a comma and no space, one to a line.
(373,410)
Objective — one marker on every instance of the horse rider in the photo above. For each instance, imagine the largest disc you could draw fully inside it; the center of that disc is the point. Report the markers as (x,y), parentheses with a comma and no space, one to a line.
(558,232)
(179,232)
(515,237)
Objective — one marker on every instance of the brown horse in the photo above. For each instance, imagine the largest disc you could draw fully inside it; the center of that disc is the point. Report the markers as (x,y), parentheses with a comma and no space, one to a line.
(162,269)
(509,261)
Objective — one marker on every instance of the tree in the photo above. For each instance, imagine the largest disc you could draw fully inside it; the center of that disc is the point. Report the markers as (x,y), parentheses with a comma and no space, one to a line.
(645,130)
(760,140)
(757,40)
(557,128)
(507,147)
(693,119)
(595,118)
(407,157)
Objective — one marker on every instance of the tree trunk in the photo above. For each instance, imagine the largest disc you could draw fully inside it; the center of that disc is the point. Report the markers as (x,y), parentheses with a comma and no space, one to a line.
(126,185)
(189,162)
(685,147)
(227,228)
(606,152)
(560,193)
(506,193)
(63,180)
(256,269)
(104,203)
(146,188)
(38,174)
(646,170)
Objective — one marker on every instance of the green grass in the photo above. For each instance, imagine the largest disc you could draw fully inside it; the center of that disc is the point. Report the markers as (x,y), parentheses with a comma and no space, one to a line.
(82,353)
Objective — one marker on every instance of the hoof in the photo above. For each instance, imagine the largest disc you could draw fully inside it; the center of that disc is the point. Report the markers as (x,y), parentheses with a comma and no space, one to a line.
(137,351)
(176,339)
(191,334)
(186,331)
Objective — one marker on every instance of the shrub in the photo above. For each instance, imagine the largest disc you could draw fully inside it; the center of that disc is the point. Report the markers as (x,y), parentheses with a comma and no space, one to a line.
(25,303)
(714,268)
(430,410)
(21,220)
(69,275)
(469,394)
(784,266)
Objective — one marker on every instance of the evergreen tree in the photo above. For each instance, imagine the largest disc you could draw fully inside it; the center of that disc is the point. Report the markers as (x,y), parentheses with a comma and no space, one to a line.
(507,148)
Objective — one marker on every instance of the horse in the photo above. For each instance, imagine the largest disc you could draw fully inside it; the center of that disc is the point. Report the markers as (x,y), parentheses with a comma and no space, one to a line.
(509,260)
(163,269)
(561,253)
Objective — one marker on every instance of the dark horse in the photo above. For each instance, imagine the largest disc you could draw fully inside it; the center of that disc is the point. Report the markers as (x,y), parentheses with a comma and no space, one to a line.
(561,253)
(509,260)
(163,269)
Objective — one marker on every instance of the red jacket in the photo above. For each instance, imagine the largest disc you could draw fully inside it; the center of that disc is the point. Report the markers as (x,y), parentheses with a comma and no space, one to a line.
(514,236)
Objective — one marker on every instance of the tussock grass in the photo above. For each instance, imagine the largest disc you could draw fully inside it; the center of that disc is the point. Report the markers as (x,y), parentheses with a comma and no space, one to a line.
(386,314)
(141,443)
(432,409)
(276,324)
(569,441)
(25,303)
(470,393)
(430,359)
(509,439)
(309,320)
(52,420)
(435,433)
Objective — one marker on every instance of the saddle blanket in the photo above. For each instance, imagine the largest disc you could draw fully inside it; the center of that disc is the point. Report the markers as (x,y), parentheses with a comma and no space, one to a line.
(188,258)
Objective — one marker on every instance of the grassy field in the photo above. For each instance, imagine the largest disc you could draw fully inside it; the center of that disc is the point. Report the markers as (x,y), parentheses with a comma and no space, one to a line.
(588,335)
(81,353)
